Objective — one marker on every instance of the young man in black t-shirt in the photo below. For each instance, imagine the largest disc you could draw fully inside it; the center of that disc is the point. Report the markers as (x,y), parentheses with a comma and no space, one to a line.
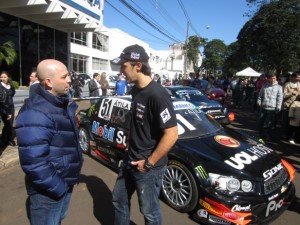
(153,132)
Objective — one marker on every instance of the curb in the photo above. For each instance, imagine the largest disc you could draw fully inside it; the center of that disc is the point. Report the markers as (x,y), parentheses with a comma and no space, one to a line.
(9,157)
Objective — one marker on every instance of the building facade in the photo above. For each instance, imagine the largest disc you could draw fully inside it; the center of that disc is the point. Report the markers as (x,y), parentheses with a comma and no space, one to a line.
(42,29)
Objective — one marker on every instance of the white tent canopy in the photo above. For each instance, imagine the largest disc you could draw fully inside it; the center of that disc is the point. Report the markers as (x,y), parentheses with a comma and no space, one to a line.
(248,72)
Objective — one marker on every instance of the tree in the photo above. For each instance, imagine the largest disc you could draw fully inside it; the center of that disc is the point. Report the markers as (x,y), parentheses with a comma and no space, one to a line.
(194,43)
(214,52)
(271,39)
(8,53)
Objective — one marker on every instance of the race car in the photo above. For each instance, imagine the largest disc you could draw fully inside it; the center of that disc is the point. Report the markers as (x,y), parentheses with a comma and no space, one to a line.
(200,99)
(216,174)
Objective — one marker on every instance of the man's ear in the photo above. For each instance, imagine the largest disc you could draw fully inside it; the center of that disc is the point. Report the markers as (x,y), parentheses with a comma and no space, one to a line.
(48,83)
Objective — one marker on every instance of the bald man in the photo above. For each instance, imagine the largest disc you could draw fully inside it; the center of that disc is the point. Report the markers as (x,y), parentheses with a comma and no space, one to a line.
(49,150)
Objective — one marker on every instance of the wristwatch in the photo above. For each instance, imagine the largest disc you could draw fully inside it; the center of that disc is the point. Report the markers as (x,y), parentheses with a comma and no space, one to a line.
(147,165)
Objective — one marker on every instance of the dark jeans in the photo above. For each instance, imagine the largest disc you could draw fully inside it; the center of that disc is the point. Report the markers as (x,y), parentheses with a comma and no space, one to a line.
(285,122)
(266,117)
(7,130)
(47,211)
(148,187)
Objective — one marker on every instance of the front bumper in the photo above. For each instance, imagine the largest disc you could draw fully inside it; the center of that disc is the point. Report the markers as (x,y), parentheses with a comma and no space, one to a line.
(243,210)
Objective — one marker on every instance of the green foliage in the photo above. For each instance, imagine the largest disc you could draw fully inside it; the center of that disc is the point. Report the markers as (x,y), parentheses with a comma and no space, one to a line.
(15,84)
(8,53)
(194,43)
(270,40)
(215,53)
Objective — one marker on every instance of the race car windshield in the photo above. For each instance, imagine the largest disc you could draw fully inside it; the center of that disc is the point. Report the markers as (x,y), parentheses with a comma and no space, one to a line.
(191,95)
(193,122)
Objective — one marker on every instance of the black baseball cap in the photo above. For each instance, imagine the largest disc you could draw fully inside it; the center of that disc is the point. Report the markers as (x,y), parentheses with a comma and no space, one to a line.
(133,53)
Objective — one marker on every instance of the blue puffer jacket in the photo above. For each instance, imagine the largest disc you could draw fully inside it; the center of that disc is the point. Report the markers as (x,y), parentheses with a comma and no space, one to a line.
(49,151)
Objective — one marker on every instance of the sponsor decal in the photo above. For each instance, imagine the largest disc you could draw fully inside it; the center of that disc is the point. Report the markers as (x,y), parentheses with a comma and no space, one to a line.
(135,55)
(214,111)
(239,160)
(201,172)
(183,105)
(227,141)
(103,131)
(273,206)
(165,115)
(210,208)
(122,104)
(239,208)
(217,220)
(202,213)
(273,197)
(271,172)
(121,138)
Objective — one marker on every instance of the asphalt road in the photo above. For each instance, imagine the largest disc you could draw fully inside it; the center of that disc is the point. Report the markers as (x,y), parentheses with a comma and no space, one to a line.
(91,200)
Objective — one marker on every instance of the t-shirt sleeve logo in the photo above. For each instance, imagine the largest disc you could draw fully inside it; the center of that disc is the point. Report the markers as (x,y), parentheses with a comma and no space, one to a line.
(165,115)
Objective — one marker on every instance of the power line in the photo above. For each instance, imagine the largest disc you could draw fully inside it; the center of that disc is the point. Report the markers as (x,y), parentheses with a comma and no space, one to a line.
(147,21)
(187,17)
(134,22)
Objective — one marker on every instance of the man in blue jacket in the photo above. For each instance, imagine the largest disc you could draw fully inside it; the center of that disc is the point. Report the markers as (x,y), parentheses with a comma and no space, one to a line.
(49,150)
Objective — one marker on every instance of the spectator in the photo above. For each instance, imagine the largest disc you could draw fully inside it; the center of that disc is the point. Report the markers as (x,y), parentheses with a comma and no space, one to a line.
(294,115)
(33,81)
(153,132)
(249,91)
(76,85)
(7,136)
(290,91)
(239,92)
(49,149)
(258,85)
(94,87)
(121,85)
(269,100)
(196,83)
(104,83)
(232,87)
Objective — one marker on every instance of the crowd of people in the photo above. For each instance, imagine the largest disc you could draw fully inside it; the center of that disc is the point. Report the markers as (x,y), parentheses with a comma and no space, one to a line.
(274,101)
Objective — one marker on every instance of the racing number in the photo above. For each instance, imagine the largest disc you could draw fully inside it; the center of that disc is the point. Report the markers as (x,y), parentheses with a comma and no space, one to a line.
(105,107)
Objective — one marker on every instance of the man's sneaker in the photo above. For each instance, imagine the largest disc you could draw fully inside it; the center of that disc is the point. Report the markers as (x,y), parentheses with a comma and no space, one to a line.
(292,142)
(261,141)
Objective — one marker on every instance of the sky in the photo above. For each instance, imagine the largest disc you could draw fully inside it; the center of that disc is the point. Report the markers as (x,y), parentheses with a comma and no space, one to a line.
(211,19)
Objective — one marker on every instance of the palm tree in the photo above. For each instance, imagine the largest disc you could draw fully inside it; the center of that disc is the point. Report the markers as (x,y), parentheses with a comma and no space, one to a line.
(8,53)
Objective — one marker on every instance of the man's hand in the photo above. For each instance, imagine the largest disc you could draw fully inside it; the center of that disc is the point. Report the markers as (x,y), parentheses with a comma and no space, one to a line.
(139,165)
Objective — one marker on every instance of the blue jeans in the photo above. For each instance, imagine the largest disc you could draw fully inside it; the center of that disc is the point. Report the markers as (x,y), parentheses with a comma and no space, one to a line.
(148,187)
(47,211)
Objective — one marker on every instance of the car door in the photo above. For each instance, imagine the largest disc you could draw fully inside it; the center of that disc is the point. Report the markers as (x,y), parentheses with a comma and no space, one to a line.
(111,127)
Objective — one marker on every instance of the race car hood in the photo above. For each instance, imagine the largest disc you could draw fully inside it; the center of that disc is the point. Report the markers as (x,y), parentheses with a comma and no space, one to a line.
(207,104)
(231,150)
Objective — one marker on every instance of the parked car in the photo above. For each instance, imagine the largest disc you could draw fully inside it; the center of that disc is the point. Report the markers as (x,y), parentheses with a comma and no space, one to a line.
(84,78)
(112,79)
(200,99)
(213,92)
(218,175)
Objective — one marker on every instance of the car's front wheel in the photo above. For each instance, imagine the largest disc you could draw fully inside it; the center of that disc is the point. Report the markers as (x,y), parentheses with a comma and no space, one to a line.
(84,140)
(179,188)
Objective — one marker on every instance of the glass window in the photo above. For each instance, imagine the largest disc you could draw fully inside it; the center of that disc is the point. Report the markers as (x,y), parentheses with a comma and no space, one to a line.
(79,38)
(100,42)
(100,64)
(78,63)
(46,37)
(61,46)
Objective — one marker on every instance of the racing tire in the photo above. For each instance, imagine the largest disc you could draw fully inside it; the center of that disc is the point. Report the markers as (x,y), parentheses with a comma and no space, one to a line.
(84,140)
(179,188)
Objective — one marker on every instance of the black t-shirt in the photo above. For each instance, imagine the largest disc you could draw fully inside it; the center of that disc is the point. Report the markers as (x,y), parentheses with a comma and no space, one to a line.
(152,112)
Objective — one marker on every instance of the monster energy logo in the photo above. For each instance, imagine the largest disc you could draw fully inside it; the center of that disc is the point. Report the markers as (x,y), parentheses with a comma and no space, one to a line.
(201,171)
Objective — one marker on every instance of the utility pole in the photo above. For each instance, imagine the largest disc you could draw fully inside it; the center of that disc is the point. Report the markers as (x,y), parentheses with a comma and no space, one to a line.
(186,49)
